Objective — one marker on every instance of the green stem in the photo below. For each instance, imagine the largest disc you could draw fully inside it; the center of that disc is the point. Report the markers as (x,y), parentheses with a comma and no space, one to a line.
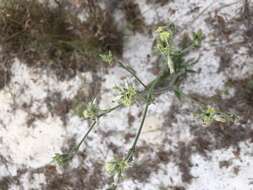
(84,137)
(149,97)
(187,49)
(76,148)
(109,110)
(132,149)
(132,72)
(170,64)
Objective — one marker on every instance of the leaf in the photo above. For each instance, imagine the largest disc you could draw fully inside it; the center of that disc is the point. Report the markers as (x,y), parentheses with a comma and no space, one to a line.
(170,65)
(178,93)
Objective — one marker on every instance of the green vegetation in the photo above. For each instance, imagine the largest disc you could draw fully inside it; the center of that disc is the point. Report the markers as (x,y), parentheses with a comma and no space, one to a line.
(116,168)
(38,33)
(174,70)
(107,58)
(127,94)
(91,111)
(210,115)
(197,37)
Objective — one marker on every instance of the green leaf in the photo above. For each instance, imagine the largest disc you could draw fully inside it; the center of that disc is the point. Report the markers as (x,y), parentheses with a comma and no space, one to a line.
(178,93)
(197,38)
(107,58)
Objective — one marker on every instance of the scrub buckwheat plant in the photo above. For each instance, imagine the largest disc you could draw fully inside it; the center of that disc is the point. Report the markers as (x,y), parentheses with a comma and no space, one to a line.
(175,68)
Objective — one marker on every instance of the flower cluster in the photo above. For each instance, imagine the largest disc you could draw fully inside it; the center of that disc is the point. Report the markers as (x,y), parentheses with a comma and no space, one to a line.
(164,46)
(91,111)
(127,94)
(163,40)
(107,58)
(197,38)
(209,115)
(61,159)
(116,166)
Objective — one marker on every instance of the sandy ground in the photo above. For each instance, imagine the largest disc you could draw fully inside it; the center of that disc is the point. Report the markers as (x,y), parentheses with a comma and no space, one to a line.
(175,151)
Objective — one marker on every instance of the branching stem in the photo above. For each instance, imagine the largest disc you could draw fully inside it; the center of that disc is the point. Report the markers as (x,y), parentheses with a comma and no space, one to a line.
(148,101)
(84,137)
(132,72)
(76,148)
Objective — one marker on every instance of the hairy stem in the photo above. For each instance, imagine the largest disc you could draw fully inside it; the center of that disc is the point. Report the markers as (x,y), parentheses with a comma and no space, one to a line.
(76,148)
(109,110)
(132,72)
(85,136)
(148,100)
